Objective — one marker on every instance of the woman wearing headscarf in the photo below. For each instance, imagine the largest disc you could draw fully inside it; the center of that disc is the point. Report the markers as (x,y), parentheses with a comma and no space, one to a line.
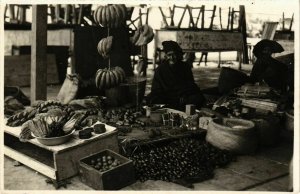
(173,82)
(268,69)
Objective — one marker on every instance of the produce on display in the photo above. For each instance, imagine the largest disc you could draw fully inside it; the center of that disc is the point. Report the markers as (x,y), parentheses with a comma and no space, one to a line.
(99,128)
(111,16)
(21,117)
(104,163)
(181,159)
(104,46)
(109,78)
(143,35)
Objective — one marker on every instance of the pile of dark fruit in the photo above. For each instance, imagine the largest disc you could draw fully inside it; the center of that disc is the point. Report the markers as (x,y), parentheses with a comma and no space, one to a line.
(104,163)
(186,158)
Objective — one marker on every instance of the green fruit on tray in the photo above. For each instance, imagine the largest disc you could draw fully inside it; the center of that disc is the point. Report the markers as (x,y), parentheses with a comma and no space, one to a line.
(104,163)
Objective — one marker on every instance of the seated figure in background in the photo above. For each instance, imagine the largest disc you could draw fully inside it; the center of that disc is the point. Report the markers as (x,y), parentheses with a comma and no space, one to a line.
(173,82)
(269,70)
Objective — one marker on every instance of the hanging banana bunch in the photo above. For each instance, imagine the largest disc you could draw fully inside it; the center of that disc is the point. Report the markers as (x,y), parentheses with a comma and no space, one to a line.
(109,78)
(104,46)
(143,35)
(111,16)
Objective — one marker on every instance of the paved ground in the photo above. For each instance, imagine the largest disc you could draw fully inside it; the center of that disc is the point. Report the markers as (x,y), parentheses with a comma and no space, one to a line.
(267,170)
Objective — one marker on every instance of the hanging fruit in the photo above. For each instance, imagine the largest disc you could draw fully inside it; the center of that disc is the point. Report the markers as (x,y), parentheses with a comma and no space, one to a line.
(143,35)
(104,46)
(109,78)
(111,16)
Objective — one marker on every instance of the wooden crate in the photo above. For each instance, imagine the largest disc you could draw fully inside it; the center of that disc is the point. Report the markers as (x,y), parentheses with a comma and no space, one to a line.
(56,162)
(113,179)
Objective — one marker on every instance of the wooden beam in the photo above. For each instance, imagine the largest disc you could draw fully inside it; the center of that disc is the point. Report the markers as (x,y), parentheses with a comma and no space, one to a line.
(242,26)
(38,88)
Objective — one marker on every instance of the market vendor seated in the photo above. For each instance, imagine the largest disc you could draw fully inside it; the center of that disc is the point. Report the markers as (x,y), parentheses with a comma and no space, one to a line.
(266,68)
(173,82)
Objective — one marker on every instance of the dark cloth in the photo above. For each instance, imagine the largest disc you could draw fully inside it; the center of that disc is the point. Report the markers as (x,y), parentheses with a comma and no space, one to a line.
(175,86)
(270,70)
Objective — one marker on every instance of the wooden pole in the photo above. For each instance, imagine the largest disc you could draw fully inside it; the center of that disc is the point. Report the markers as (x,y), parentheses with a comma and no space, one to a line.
(232,18)
(283,21)
(291,24)
(242,26)
(220,15)
(212,17)
(164,17)
(228,23)
(38,90)
(202,19)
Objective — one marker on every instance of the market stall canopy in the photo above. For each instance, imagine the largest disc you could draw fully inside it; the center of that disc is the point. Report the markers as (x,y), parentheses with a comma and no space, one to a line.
(274,46)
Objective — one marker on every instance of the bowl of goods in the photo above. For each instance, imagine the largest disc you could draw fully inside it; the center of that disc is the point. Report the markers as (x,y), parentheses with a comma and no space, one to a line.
(51,130)
(51,141)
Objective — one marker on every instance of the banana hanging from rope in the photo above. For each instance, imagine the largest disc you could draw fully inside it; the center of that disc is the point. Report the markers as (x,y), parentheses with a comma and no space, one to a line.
(143,35)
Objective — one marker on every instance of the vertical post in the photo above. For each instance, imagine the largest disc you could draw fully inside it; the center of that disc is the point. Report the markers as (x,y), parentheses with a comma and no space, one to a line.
(57,13)
(219,61)
(220,15)
(229,13)
(202,19)
(212,17)
(291,24)
(242,27)
(232,18)
(283,21)
(38,90)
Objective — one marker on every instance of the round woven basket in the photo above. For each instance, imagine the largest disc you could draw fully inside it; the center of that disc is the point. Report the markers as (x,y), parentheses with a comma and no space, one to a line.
(289,120)
(235,135)
(230,78)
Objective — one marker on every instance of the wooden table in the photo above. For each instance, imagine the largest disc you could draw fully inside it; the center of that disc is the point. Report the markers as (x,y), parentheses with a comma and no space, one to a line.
(57,162)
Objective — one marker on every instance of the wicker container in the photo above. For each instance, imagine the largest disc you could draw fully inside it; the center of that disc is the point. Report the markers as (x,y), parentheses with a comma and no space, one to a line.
(235,135)
(289,120)
(268,130)
(230,78)
(113,179)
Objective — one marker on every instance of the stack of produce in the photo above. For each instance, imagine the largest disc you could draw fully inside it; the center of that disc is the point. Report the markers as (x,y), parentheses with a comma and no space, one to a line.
(255,91)
(186,158)
(109,78)
(111,16)
(261,105)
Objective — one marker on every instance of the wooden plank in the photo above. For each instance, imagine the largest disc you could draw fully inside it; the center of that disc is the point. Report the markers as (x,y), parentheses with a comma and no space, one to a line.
(17,70)
(36,165)
(67,162)
(38,53)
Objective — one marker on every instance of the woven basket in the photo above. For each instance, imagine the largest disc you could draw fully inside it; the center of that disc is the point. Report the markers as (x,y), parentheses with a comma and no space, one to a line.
(268,130)
(230,78)
(235,135)
(289,121)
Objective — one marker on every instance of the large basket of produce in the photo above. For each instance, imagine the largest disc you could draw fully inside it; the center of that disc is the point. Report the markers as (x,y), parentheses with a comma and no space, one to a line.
(230,78)
(235,135)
